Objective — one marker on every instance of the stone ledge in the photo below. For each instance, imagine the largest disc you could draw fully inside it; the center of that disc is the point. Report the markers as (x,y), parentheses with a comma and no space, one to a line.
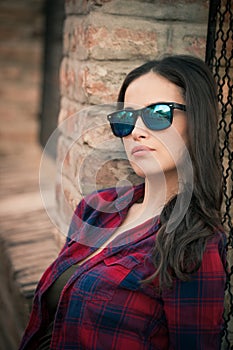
(28,241)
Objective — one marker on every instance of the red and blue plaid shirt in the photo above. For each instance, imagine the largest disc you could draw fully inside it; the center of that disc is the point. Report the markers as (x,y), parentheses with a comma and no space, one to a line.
(104,305)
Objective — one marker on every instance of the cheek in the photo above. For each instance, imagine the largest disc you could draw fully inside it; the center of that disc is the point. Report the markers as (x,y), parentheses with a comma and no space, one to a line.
(173,144)
(180,128)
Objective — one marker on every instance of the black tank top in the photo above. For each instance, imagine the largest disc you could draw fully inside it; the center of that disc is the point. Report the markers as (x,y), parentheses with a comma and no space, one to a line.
(52,297)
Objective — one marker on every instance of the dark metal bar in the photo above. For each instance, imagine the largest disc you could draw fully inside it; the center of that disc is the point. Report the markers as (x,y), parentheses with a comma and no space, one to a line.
(211,32)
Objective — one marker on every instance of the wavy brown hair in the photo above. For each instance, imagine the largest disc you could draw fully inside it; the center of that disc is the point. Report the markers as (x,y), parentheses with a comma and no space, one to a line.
(179,252)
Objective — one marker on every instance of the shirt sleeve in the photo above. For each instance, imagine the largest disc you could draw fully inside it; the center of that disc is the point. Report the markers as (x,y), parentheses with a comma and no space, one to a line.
(194,308)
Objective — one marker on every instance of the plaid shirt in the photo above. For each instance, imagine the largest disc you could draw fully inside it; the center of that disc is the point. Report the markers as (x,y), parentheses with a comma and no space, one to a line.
(104,306)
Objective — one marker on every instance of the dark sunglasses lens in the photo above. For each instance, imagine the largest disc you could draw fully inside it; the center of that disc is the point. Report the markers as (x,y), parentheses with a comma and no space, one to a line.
(122,123)
(158,117)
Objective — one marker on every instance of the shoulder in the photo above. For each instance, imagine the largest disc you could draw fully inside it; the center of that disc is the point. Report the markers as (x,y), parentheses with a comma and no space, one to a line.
(109,199)
(87,213)
(100,196)
(92,204)
(98,209)
(96,201)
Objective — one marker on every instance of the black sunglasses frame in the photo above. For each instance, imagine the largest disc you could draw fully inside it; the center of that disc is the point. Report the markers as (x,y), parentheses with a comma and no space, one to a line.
(142,113)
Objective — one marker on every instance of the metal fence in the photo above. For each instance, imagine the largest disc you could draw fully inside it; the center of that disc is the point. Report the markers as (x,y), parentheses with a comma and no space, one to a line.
(219,56)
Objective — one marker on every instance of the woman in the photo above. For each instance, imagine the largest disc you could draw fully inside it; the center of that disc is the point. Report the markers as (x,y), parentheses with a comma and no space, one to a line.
(143,267)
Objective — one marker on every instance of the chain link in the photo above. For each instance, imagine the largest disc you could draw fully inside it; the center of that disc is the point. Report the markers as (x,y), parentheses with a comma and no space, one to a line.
(219,56)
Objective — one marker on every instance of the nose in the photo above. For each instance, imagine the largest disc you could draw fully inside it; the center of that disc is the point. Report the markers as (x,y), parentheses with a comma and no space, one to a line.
(140,130)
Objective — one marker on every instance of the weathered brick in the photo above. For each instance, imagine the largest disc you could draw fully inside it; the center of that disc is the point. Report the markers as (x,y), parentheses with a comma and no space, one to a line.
(23,93)
(10,72)
(64,165)
(67,119)
(195,45)
(102,38)
(93,82)
(75,37)
(188,38)
(102,81)
(67,197)
(67,78)
(99,175)
(130,39)
(78,7)
(83,6)
(28,53)
(190,10)
(70,157)
(102,170)
(72,76)
(87,125)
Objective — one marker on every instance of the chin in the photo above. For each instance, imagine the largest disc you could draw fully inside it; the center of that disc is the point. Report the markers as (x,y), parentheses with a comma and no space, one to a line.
(139,173)
(148,172)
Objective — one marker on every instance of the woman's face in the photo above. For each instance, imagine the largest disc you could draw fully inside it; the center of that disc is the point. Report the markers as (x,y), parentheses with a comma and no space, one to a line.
(151,152)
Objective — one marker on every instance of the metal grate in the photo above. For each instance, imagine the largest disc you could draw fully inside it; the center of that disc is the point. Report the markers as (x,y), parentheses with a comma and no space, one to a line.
(219,56)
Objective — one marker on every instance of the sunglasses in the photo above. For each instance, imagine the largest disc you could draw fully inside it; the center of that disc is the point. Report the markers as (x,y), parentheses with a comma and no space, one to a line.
(157,116)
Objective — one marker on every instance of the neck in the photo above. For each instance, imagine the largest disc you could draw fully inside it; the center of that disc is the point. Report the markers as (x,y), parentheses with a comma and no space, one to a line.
(159,190)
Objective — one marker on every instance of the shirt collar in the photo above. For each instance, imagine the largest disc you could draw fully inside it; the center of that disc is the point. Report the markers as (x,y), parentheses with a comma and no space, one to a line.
(127,196)
(108,215)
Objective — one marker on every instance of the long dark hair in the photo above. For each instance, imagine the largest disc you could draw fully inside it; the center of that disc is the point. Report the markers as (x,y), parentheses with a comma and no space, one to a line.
(179,253)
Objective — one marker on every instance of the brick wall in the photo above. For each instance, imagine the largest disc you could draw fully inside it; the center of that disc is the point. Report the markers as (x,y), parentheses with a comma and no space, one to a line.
(103,40)
(21,31)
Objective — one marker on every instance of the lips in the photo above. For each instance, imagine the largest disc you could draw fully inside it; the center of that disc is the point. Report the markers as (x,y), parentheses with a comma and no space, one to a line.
(139,149)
